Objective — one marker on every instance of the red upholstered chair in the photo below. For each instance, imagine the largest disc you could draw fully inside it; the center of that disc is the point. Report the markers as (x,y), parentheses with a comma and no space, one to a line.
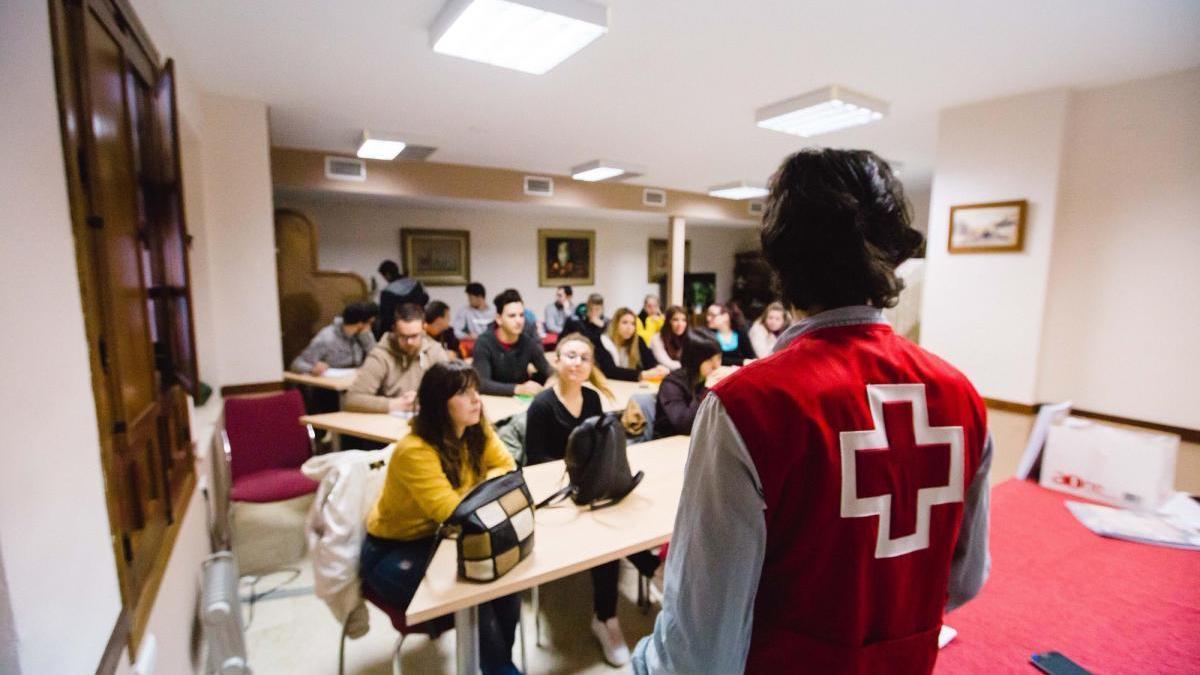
(265,446)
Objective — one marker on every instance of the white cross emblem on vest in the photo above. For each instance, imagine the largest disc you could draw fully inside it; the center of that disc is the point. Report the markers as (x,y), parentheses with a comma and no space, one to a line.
(908,460)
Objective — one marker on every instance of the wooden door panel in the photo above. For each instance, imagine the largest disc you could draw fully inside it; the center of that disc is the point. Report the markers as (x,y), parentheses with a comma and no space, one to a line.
(129,356)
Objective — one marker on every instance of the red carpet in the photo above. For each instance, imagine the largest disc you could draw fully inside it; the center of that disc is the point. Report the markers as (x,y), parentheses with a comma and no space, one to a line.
(1111,606)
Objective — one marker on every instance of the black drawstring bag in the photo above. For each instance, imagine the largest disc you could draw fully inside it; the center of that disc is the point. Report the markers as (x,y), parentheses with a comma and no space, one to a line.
(597,464)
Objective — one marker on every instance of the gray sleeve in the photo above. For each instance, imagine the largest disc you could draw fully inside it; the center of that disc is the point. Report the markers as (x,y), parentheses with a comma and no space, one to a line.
(315,351)
(460,323)
(716,557)
(972,560)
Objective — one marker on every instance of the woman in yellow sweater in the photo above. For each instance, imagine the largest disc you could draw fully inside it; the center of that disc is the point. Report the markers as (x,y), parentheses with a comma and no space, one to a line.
(450,450)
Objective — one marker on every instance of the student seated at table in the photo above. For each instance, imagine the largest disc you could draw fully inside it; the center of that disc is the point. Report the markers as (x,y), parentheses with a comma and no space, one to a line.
(474,319)
(766,330)
(503,355)
(650,320)
(551,418)
(389,377)
(682,391)
(437,326)
(667,344)
(558,312)
(400,290)
(623,356)
(589,319)
(735,344)
(344,343)
(449,451)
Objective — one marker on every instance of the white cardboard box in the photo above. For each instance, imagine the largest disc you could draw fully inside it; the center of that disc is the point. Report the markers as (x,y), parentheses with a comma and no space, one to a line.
(1124,467)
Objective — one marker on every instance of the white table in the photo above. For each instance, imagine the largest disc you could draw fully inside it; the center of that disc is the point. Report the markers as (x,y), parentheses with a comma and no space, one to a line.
(567,539)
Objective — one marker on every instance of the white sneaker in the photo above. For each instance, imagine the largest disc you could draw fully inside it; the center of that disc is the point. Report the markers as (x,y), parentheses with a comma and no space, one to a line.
(612,641)
(657,583)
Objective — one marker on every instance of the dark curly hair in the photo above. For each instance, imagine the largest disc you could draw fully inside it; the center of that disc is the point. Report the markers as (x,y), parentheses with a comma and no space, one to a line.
(835,226)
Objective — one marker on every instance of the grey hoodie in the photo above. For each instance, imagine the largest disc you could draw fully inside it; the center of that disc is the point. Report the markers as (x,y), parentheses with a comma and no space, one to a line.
(334,347)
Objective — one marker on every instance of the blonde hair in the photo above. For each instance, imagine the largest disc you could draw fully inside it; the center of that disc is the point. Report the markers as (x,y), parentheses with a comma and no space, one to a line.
(595,377)
(775,307)
(631,347)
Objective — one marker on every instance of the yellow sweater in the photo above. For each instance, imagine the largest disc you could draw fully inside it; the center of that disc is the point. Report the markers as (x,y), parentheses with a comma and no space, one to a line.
(417,496)
(653,324)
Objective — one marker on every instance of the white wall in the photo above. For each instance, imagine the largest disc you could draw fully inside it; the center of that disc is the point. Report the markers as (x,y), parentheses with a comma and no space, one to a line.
(355,235)
(61,576)
(1123,314)
(983,312)
(239,243)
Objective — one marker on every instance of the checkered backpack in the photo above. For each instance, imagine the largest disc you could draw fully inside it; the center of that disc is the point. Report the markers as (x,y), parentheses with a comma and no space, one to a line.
(493,526)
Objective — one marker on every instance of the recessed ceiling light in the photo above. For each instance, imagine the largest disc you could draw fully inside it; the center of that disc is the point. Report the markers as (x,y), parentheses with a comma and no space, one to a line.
(379,148)
(739,190)
(821,111)
(531,36)
(602,169)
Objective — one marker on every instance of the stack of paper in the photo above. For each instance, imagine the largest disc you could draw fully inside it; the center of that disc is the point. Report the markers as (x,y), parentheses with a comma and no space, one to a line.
(1175,524)
(338,372)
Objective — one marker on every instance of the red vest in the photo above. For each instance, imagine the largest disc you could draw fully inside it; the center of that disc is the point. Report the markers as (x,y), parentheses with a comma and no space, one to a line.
(865,445)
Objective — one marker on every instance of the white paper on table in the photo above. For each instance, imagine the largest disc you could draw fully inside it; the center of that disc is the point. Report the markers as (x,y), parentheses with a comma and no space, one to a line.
(1047,415)
(338,372)
(403,414)
(1181,511)
(1137,526)
(946,635)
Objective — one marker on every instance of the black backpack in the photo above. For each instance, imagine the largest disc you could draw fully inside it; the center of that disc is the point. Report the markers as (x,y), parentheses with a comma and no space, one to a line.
(597,464)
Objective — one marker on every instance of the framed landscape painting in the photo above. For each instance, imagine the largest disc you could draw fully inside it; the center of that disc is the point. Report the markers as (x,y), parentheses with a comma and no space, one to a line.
(995,227)
(566,257)
(436,257)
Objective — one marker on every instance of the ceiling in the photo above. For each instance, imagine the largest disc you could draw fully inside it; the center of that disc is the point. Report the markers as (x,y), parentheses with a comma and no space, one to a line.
(674,84)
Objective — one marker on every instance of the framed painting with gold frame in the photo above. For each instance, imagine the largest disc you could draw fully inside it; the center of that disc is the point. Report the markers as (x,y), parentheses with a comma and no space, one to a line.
(436,257)
(566,257)
(994,227)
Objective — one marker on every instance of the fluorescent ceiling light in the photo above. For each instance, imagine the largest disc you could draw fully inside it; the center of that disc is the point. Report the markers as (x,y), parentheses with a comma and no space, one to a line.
(602,169)
(531,36)
(821,111)
(738,190)
(379,148)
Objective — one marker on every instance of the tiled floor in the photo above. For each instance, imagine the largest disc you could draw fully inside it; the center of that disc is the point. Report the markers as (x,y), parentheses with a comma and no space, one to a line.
(292,632)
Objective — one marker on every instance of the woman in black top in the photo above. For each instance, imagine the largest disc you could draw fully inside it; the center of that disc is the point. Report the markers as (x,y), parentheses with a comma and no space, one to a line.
(735,344)
(552,416)
(622,355)
(682,391)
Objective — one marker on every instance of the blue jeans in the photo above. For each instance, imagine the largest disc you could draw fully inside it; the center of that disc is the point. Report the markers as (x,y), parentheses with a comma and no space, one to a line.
(394,569)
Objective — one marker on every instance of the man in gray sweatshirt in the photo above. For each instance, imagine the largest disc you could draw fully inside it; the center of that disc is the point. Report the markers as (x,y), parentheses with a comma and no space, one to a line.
(342,344)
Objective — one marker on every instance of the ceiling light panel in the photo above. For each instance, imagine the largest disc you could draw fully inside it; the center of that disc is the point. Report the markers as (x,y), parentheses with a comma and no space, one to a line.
(822,111)
(531,36)
(379,148)
(603,169)
(738,190)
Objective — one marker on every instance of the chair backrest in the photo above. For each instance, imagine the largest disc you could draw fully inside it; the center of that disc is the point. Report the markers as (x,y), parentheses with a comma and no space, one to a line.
(265,433)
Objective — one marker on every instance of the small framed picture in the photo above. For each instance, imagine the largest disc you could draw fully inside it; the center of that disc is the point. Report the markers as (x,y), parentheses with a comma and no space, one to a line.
(566,257)
(658,260)
(436,257)
(995,227)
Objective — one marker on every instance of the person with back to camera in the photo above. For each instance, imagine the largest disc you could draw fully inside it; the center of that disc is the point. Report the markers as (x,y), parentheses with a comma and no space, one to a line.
(400,290)
(766,330)
(796,450)
(622,355)
(682,392)
(449,451)
(667,344)
(551,418)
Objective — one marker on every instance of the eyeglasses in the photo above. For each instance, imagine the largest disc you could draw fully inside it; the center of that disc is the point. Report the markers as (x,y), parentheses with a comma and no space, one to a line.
(575,356)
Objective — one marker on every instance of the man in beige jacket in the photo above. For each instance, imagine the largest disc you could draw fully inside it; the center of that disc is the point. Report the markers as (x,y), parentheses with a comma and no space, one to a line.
(389,377)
